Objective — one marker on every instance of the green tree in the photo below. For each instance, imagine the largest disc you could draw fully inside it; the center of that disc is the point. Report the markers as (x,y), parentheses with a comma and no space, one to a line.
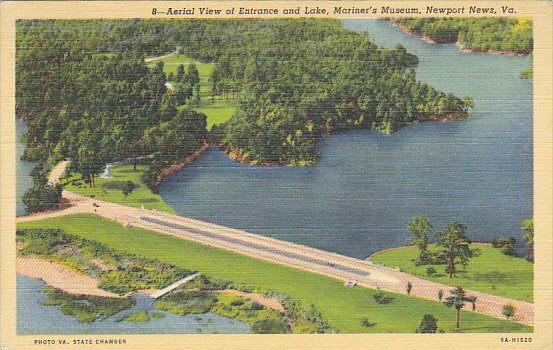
(506,245)
(180,72)
(193,75)
(456,300)
(420,227)
(128,187)
(42,196)
(429,324)
(528,228)
(456,245)
(508,311)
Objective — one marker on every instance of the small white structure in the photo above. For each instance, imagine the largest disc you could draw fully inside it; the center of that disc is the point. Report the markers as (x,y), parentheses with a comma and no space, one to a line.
(350,283)
(162,292)
(107,172)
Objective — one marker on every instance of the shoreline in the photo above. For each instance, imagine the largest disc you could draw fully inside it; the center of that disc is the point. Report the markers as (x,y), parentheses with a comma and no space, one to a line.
(60,277)
(430,245)
(239,156)
(169,171)
(454,40)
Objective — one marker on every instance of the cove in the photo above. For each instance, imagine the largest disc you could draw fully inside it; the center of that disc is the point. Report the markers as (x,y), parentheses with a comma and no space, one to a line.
(362,193)
(35,318)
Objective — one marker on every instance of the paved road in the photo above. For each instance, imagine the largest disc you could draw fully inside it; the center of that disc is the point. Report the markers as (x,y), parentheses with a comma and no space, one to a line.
(298,256)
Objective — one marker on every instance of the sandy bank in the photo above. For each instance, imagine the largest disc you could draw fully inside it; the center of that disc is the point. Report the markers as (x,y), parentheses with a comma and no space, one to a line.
(172,169)
(60,277)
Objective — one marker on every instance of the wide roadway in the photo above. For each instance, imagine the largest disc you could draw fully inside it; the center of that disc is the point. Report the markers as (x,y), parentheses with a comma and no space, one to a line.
(318,261)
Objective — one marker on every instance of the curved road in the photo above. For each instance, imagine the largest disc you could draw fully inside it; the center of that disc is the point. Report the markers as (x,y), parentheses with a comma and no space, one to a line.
(298,256)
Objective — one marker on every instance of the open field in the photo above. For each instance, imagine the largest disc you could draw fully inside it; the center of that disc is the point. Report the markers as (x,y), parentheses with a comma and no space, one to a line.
(490,272)
(217,111)
(343,307)
(109,189)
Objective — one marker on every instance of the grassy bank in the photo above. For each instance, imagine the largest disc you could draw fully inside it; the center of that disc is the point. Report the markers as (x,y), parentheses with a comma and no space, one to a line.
(110,190)
(344,308)
(490,272)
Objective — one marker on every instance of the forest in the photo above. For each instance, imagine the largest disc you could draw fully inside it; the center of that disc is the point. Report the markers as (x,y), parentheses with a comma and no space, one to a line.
(499,35)
(86,93)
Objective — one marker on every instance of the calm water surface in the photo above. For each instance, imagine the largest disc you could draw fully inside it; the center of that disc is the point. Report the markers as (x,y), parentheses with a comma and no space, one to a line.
(359,198)
(35,318)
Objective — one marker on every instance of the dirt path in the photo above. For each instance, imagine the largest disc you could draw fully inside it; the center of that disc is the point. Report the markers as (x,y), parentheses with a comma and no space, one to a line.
(56,173)
(150,59)
(60,277)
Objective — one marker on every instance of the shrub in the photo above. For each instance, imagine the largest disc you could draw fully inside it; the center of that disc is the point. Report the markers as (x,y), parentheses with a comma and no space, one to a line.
(508,311)
(506,245)
(380,298)
(269,327)
(365,323)
(117,185)
(430,271)
(257,306)
(41,197)
(429,324)
(237,302)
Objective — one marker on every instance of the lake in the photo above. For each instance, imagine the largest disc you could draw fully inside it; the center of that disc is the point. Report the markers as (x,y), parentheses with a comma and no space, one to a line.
(362,193)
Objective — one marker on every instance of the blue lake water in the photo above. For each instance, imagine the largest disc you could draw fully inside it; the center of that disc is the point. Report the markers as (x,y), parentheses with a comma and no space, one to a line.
(35,318)
(24,180)
(360,196)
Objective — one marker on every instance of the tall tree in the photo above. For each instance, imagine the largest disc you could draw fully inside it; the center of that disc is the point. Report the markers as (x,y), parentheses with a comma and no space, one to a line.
(528,227)
(457,300)
(420,227)
(456,245)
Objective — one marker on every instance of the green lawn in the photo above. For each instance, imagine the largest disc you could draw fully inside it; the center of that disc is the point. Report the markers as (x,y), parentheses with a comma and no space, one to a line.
(343,307)
(491,272)
(109,189)
(172,59)
(217,111)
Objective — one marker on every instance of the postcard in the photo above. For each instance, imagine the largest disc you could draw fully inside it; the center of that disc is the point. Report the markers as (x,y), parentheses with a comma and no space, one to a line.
(278,175)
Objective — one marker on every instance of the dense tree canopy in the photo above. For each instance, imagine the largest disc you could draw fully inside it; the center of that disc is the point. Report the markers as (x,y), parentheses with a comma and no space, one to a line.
(86,93)
(509,35)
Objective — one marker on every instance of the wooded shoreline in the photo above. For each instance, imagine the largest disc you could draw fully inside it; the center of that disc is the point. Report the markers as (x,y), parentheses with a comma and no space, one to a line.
(463,47)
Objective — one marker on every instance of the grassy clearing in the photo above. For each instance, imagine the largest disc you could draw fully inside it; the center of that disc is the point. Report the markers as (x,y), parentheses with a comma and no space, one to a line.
(173,59)
(490,272)
(109,189)
(343,307)
(216,110)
